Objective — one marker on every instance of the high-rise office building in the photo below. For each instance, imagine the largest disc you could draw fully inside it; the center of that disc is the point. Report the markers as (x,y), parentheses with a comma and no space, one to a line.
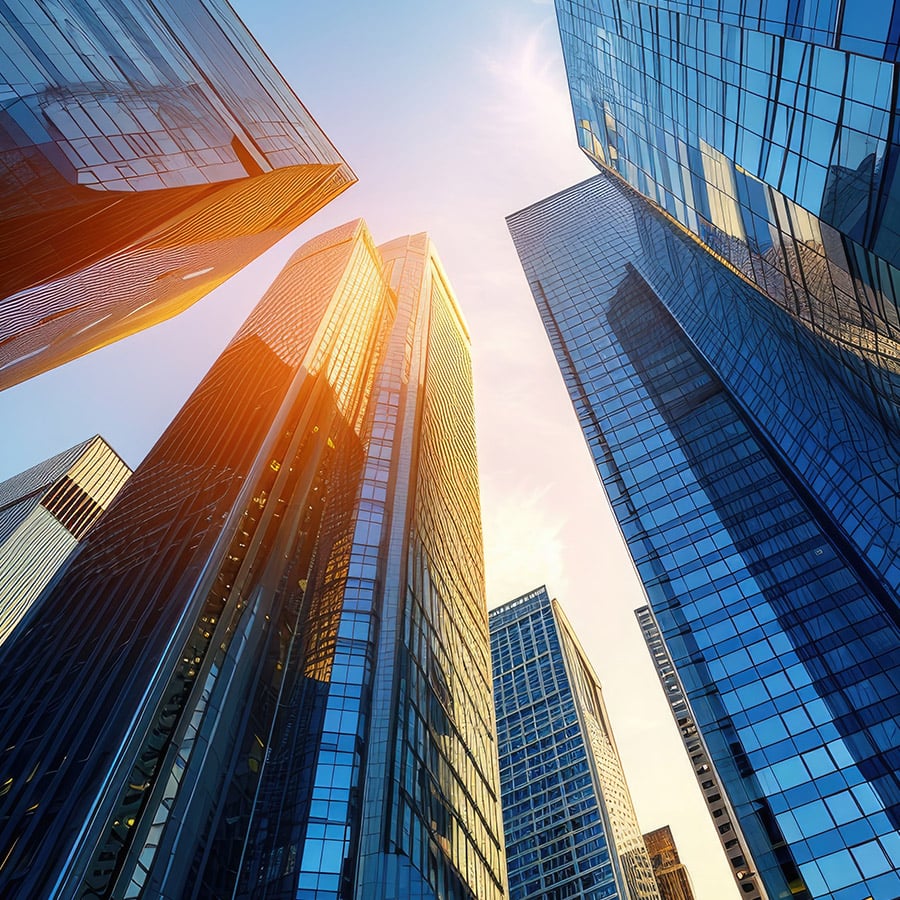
(757,492)
(267,672)
(570,825)
(671,874)
(147,152)
(766,131)
(44,512)
(726,823)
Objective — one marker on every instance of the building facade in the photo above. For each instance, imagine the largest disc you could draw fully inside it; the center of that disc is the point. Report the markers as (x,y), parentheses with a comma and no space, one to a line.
(725,821)
(756,491)
(570,825)
(765,130)
(45,512)
(268,670)
(147,152)
(670,873)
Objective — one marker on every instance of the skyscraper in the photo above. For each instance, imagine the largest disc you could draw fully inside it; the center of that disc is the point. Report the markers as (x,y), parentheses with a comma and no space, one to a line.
(44,512)
(267,673)
(743,867)
(671,874)
(570,825)
(147,152)
(766,131)
(757,492)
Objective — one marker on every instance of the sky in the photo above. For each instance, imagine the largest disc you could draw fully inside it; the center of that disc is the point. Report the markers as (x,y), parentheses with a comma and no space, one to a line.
(453,114)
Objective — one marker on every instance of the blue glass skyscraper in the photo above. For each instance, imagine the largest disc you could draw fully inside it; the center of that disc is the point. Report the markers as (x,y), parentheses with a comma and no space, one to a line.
(722,302)
(767,131)
(570,826)
(757,492)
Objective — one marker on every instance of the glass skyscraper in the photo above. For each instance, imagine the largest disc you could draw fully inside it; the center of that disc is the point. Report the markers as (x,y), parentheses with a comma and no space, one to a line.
(147,152)
(671,875)
(45,512)
(757,492)
(743,867)
(266,675)
(723,304)
(570,826)
(766,130)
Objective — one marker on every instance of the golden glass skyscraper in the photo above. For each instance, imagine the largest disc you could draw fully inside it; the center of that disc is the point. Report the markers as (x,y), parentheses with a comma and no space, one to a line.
(267,673)
(147,152)
(671,874)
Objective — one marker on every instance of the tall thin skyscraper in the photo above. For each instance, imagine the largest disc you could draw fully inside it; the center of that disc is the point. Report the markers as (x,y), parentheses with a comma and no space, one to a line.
(743,867)
(570,825)
(758,496)
(147,152)
(45,512)
(267,673)
(671,874)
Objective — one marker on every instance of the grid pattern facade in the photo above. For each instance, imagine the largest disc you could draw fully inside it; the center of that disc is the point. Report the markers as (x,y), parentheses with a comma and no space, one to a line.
(169,639)
(780,622)
(727,826)
(433,826)
(148,152)
(215,648)
(766,130)
(570,826)
(44,513)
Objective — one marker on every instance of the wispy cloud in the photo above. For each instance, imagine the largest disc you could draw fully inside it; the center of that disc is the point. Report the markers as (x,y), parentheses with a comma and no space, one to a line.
(527,98)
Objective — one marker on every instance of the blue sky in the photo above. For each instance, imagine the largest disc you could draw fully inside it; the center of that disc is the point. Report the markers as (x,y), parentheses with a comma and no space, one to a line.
(453,115)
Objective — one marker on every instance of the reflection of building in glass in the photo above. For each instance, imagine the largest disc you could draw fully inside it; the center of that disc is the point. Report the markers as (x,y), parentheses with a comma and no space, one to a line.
(766,130)
(44,512)
(759,499)
(267,673)
(569,821)
(671,874)
(727,827)
(147,152)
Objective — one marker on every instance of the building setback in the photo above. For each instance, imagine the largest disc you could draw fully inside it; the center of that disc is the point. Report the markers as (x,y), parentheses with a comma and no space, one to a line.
(147,152)
(746,477)
(726,824)
(267,673)
(570,825)
(45,512)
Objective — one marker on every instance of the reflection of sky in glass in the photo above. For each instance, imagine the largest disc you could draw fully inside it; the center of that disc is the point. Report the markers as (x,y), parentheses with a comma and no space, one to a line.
(773,151)
(760,582)
(452,117)
(141,149)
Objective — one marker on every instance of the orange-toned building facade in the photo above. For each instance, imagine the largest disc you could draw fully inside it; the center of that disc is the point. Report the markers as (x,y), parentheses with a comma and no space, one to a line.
(671,875)
(147,153)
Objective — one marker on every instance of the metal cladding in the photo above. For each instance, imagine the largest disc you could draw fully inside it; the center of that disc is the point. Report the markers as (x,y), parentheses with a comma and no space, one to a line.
(45,512)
